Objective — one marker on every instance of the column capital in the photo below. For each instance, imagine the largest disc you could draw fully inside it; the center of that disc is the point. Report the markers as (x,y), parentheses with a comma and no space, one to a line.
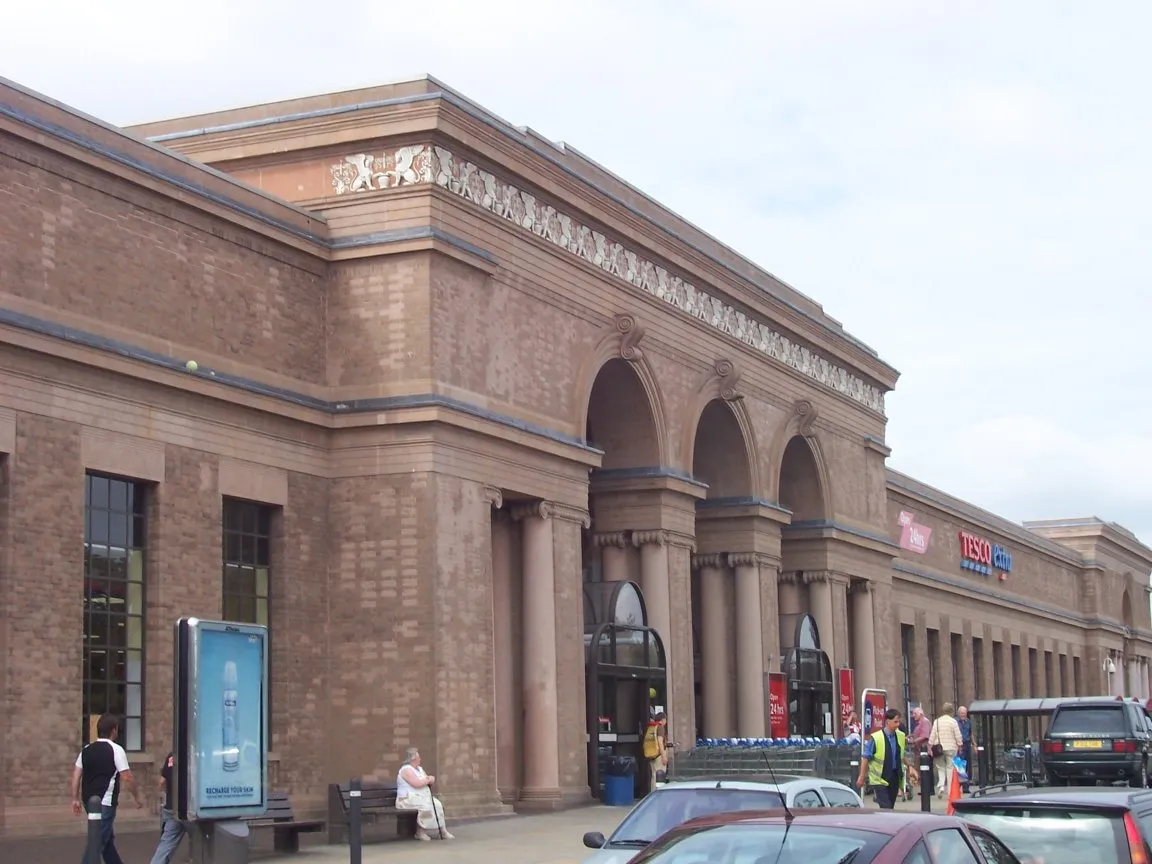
(552,510)
(787,577)
(860,586)
(618,539)
(699,562)
(752,559)
(494,497)
(644,538)
(811,576)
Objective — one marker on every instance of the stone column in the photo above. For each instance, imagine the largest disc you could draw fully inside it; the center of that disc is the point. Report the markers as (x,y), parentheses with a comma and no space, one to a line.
(789,595)
(504,649)
(863,635)
(541,717)
(614,556)
(820,606)
(654,582)
(749,647)
(716,660)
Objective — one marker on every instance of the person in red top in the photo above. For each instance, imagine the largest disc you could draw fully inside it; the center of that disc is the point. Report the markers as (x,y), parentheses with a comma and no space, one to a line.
(172,830)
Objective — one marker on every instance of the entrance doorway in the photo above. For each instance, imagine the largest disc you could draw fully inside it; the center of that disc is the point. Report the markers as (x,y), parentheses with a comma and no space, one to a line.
(626,676)
(809,671)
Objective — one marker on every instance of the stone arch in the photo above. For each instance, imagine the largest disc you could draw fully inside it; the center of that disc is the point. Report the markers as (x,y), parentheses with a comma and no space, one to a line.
(717,410)
(802,484)
(722,451)
(616,371)
(796,454)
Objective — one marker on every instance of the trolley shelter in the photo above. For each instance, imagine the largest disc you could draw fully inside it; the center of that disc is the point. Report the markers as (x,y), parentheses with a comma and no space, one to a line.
(1007,736)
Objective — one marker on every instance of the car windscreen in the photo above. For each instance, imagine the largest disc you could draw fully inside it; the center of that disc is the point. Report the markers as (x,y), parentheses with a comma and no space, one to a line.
(764,844)
(1055,836)
(1100,720)
(669,807)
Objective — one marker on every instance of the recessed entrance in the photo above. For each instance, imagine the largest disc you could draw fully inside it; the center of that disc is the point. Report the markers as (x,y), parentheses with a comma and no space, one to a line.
(809,673)
(624,666)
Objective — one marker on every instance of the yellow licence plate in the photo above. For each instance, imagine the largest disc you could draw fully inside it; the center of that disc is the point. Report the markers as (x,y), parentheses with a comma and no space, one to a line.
(1087,745)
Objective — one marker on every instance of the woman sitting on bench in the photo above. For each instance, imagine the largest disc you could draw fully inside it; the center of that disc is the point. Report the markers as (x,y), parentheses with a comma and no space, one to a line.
(414,792)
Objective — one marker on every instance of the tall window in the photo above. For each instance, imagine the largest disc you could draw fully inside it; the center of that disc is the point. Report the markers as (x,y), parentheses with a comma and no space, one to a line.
(933,667)
(977,668)
(247,560)
(115,541)
(906,635)
(956,647)
(997,667)
(1077,682)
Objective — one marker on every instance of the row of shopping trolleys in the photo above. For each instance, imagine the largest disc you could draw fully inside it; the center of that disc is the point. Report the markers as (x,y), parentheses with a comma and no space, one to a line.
(794,741)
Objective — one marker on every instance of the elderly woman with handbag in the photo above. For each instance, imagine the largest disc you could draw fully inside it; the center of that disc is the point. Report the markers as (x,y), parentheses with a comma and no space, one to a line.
(414,792)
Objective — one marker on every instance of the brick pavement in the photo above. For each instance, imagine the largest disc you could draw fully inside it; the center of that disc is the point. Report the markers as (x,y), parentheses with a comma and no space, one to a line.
(553,838)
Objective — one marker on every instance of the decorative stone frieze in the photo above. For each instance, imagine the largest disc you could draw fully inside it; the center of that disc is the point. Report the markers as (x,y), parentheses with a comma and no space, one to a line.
(428,164)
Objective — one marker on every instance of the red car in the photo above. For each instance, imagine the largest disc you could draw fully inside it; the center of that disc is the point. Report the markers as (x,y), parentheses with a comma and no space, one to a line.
(827,837)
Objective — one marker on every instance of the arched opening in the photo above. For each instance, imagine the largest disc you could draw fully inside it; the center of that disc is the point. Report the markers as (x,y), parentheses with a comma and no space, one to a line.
(625,656)
(720,455)
(720,458)
(620,419)
(809,671)
(626,674)
(801,489)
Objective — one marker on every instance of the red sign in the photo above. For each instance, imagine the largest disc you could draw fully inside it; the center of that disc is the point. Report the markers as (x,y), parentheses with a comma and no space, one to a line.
(913,536)
(847,698)
(875,704)
(778,704)
(975,549)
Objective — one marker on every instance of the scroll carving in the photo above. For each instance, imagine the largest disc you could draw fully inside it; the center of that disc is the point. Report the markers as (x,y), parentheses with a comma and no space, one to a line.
(552,510)
(494,497)
(807,413)
(631,333)
(728,376)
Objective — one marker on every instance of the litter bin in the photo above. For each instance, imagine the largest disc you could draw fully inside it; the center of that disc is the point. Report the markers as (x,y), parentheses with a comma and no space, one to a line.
(620,781)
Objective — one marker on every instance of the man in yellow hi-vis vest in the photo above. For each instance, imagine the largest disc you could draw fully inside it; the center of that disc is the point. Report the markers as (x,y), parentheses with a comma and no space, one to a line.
(882,761)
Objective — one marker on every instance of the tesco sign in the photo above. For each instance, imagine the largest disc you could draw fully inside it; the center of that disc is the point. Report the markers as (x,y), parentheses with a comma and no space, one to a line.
(982,556)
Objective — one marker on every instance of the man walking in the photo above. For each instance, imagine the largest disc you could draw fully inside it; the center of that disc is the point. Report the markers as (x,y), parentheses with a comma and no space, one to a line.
(99,770)
(882,761)
(172,830)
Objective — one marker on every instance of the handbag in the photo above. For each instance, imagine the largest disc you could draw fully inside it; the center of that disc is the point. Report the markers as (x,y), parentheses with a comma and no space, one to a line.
(937,751)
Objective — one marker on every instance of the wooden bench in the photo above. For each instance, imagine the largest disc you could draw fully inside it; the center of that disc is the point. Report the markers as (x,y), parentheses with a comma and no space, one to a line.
(286,828)
(377,807)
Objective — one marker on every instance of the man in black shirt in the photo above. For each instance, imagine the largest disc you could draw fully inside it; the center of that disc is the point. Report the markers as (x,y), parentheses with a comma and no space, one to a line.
(172,830)
(99,770)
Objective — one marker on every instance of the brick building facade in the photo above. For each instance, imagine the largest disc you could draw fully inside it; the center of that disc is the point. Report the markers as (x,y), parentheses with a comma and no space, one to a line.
(448,373)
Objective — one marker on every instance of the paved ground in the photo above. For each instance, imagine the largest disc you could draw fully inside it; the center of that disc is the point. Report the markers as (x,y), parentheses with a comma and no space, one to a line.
(554,838)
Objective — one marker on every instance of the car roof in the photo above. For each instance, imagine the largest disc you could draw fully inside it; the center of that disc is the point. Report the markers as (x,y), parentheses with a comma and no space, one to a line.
(1080,796)
(863,819)
(749,782)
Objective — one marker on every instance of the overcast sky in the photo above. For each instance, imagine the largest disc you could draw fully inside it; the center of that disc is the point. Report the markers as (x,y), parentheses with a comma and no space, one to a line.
(966,186)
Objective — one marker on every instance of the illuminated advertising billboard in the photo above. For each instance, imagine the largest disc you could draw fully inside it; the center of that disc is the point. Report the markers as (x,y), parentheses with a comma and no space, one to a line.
(221,720)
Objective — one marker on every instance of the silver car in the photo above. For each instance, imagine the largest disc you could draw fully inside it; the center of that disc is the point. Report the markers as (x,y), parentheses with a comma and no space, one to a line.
(675,803)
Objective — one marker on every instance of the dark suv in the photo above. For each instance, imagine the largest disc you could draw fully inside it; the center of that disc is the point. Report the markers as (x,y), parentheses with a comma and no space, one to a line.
(1091,740)
(1066,826)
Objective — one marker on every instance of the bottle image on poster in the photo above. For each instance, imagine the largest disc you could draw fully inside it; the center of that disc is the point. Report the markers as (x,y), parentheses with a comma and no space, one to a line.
(230,673)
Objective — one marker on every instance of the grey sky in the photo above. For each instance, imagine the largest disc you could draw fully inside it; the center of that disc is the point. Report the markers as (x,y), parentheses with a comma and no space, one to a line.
(965,186)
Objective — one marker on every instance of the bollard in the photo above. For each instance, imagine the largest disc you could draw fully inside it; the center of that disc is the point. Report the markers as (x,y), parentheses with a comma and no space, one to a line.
(925,780)
(355,847)
(1028,764)
(95,820)
(982,761)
